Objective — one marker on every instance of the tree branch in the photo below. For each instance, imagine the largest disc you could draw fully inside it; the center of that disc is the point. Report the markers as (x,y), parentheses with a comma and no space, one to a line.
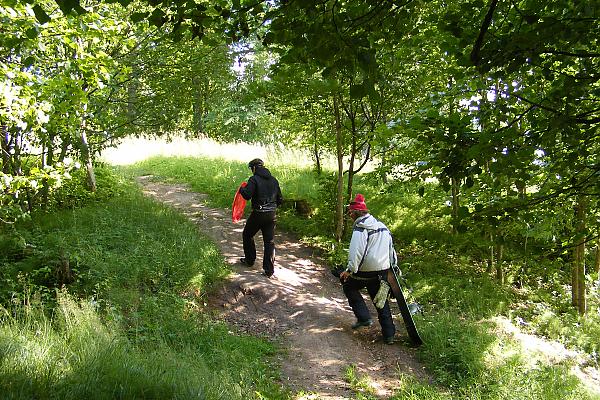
(484,27)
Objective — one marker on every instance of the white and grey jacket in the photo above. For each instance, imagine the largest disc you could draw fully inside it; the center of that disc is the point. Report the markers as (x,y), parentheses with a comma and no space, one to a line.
(371,246)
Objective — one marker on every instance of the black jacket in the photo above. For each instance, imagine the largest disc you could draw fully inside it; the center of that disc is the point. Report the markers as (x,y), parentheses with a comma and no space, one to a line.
(263,189)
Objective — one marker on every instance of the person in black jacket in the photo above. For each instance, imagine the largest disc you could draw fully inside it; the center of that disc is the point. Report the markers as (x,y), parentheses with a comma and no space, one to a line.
(263,189)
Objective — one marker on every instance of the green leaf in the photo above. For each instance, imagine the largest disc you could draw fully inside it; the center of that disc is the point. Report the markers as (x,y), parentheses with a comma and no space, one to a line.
(421,191)
(156,18)
(463,212)
(139,16)
(67,6)
(432,113)
(358,91)
(469,182)
(29,61)
(32,33)
(40,14)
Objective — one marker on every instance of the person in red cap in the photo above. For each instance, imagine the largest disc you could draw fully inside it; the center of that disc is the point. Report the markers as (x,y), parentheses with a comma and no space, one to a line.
(370,255)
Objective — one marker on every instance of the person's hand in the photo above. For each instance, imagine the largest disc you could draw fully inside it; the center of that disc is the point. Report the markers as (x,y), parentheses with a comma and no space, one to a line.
(344,276)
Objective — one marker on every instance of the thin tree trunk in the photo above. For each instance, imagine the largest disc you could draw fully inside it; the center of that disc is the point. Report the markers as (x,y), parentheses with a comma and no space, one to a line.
(91,176)
(578,269)
(500,275)
(522,190)
(339,223)
(597,258)
(492,261)
(316,148)
(351,174)
(318,168)
(384,177)
(5,148)
(86,153)
(455,203)
(132,93)
(351,164)
(198,109)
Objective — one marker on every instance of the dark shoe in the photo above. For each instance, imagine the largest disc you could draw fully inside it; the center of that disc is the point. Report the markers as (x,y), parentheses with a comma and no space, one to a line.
(388,340)
(268,276)
(246,263)
(359,324)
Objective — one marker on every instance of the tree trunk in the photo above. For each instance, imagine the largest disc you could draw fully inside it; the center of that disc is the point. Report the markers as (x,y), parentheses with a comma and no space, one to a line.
(455,203)
(500,275)
(384,177)
(522,190)
(351,164)
(578,292)
(339,223)
(316,149)
(597,258)
(47,159)
(132,94)
(198,108)
(5,148)
(86,156)
(492,261)
(318,168)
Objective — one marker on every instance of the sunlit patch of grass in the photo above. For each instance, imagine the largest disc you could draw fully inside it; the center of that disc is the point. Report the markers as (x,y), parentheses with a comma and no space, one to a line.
(77,354)
(411,388)
(361,385)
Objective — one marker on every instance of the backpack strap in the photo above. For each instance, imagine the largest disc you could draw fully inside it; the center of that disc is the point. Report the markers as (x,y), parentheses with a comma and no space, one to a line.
(370,232)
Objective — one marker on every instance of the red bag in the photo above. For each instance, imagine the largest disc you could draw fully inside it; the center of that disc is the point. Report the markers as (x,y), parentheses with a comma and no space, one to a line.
(239,203)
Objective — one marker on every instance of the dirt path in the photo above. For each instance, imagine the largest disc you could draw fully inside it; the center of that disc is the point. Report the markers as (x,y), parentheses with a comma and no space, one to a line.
(303,308)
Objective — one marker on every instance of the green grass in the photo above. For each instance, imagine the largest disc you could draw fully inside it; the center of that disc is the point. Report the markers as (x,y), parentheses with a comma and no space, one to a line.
(459,298)
(141,271)
(132,323)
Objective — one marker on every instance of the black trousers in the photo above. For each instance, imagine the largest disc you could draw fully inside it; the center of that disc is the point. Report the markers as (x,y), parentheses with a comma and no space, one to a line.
(356,301)
(265,222)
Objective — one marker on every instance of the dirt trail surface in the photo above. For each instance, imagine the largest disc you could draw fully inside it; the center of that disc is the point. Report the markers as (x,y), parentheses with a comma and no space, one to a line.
(302,307)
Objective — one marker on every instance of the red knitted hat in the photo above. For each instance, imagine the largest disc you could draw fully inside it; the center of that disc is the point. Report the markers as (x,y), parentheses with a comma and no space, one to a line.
(358,203)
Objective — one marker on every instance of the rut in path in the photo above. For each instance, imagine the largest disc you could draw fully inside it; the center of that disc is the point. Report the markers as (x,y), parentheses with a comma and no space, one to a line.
(303,308)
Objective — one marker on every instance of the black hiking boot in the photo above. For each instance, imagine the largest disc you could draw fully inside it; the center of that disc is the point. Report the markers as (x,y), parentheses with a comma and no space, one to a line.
(246,263)
(360,324)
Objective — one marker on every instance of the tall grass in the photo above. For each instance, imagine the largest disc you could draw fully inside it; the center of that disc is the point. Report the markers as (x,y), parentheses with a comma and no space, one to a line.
(131,324)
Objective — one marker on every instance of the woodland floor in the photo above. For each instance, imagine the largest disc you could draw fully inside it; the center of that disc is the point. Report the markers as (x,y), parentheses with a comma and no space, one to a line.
(304,309)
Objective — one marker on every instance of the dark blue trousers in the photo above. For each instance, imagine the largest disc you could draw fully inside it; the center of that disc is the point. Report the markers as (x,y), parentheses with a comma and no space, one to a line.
(264,222)
(371,281)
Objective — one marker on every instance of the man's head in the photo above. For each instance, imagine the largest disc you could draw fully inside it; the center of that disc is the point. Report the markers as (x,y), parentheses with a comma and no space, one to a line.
(257,162)
(357,207)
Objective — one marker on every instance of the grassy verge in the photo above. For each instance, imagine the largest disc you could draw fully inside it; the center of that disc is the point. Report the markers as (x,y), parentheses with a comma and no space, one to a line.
(463,349)
(129,322)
